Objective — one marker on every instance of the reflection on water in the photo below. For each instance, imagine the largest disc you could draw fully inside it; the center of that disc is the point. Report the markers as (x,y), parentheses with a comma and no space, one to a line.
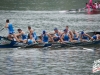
(38,5)
(47,62)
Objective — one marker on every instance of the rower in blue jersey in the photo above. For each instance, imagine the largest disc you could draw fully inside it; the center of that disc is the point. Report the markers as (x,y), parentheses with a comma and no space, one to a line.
(45,37)
(75,35)
(95,36)
(69,31)
(84,36)
(57,35)
(22,36)
(30,40)
(11,31)
(66,37)
(31,32)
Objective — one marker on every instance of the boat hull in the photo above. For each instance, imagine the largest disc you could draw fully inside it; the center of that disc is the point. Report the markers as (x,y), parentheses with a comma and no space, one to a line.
(6,43)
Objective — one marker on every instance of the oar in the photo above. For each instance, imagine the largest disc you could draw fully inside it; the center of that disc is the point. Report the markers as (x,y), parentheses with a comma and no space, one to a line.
(1,29)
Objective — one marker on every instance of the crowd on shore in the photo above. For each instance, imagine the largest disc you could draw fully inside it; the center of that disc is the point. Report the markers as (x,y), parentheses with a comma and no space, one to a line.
(57,36)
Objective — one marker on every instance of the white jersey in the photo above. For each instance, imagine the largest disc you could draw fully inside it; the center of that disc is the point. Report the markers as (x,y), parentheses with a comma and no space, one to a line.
(96,5)
(99,5)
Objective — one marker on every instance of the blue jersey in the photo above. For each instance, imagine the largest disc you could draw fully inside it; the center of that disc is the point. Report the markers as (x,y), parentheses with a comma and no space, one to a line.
(30,41)
(45,38)
(10,28)
(66,37)
(75,37)
(57,37)
(34,35)
(24,37)
(94,37)
(85,37)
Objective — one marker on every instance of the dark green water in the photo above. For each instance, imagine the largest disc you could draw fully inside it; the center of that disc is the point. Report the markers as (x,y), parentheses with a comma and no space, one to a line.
(45,15)
(38,5)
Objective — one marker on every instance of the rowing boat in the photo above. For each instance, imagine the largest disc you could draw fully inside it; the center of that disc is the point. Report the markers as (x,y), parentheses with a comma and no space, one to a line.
(6,43)
(82,10)
(92,11)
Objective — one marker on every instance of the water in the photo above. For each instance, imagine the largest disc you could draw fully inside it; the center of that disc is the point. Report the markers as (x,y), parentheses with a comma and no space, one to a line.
(45,15)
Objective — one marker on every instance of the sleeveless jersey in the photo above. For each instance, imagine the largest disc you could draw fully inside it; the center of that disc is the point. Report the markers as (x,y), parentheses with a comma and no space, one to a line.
(45,38)
(10,28)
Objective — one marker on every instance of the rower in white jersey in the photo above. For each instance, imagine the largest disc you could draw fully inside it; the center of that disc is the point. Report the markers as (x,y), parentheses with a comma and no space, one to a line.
(11,31)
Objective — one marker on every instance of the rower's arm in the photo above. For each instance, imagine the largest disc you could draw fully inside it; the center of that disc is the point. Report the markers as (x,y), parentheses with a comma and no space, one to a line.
(31,32)
(6,26)
(80,37)
(41,37)
(88,36)
(50,37)
(62,38)
(19,34)
(77,35)
(71,34)
(70,38)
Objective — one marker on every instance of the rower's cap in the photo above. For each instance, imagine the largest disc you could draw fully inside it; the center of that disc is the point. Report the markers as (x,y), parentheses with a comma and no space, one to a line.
(94,37)
(65,30)
(82,32)
(19,29)
(55,29)
(44,31)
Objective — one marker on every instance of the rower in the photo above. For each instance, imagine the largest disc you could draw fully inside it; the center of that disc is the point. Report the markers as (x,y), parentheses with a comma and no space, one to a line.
(99,5)
(84,36)
(69,31)
(96,5)
(30,40)
(11,30)
(75,35)
(96,37)
(66,37)
(22,35)
(93,6)
(87,6)
(57,34)
(31,32)
(45,37)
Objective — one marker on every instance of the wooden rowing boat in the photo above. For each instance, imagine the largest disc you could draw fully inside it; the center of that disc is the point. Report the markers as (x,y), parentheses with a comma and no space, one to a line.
(6,43)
